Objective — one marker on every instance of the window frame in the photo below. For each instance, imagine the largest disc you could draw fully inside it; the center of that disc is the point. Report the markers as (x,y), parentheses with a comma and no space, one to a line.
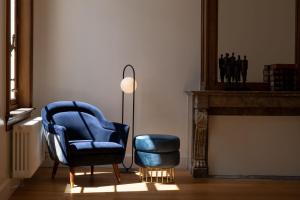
(24,60)
(12,103)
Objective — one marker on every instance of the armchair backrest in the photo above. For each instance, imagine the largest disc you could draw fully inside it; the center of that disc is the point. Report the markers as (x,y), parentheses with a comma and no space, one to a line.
(81,120)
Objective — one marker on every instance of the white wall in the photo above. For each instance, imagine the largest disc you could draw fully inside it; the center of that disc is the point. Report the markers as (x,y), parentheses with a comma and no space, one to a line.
(80,48)
(264,30)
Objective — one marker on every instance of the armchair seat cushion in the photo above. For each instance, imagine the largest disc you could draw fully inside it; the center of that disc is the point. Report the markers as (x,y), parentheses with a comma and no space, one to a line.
(89,147)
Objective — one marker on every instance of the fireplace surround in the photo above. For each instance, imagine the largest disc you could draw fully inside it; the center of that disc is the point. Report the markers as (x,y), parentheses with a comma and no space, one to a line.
(238,103)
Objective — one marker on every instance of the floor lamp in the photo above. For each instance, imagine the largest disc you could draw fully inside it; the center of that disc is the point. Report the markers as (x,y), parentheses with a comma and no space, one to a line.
(128,86)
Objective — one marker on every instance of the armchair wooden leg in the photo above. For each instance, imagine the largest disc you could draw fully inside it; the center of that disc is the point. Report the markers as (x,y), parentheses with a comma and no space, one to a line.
(72,177)
(92,170)
(54,170)
(117,173)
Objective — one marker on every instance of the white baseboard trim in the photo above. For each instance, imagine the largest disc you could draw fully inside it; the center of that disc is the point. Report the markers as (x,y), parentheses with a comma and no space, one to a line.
(8,187)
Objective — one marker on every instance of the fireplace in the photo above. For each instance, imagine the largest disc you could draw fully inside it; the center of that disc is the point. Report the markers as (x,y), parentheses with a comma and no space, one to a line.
(259,103)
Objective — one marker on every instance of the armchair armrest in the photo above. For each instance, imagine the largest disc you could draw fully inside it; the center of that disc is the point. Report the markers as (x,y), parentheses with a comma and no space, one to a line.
(59,130)
(56,139)
(108,125)
(123,129)
(53,128)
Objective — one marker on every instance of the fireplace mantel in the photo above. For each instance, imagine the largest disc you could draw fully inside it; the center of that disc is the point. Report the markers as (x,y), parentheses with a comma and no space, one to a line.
(206,103)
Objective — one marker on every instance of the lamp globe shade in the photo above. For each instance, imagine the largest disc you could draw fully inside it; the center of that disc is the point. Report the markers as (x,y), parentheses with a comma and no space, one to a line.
(127,85)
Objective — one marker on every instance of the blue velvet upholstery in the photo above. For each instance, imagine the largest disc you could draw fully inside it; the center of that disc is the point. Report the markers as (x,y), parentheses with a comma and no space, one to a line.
(162,160)
(156,143)
(157,150)
(78,134)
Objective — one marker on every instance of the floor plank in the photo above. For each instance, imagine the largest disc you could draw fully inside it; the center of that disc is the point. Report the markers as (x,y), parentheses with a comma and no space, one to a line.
(103,185)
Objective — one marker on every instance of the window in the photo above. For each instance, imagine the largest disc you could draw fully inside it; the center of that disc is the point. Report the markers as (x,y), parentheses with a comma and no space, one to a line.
(12,50)
(19,45)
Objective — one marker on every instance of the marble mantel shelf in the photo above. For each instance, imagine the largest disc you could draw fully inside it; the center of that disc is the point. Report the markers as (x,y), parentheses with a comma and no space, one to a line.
(281,103)
(205,103)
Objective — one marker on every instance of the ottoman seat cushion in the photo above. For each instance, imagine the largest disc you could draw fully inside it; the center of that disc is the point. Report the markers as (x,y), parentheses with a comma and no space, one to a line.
(161,151)
(156,143)
(165,160)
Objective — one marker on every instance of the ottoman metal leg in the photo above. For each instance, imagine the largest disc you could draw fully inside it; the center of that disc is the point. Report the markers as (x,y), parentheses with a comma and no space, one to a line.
(158,175)
(152,150)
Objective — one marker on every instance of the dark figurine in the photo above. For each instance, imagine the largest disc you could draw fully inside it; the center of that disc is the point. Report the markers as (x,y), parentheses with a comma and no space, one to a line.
(233,71)
(222,68)
(227,68)
(244,69)
(232,67)
(237,69)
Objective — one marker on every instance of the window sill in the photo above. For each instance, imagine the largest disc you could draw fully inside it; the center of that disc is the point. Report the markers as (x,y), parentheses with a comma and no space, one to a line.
(18,115)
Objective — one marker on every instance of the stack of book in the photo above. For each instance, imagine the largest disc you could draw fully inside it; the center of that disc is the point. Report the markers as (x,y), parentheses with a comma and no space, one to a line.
(281,76)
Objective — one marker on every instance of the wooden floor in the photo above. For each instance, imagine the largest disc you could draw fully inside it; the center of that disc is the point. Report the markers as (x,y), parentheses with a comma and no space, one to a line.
(103,186)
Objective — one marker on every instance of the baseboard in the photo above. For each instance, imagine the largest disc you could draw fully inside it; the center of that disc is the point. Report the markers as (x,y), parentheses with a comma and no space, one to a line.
(8,187)
(262,177)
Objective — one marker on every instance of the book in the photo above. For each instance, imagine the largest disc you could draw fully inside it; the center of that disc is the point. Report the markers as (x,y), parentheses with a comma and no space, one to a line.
(281,76)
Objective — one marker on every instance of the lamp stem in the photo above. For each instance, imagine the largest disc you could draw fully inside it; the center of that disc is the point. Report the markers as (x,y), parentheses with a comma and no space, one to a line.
(133,105)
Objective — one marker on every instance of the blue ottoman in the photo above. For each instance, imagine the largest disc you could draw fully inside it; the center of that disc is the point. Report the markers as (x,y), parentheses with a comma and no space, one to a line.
(158,154)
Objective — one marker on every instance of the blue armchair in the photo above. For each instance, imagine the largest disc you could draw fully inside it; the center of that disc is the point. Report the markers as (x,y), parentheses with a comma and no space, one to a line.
(78,134)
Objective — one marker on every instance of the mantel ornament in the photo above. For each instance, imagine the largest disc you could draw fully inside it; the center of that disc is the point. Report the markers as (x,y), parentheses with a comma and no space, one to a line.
(233,71)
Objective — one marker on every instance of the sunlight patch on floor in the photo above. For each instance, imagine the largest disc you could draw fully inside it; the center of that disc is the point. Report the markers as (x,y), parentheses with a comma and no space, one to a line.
(89,173)
(133,187)
(102,189)
(166,187)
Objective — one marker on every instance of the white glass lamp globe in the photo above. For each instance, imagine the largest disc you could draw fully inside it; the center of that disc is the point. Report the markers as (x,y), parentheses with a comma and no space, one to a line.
(127,85)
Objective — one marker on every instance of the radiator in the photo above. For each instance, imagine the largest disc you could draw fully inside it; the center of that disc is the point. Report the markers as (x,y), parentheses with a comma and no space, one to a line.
(27,148)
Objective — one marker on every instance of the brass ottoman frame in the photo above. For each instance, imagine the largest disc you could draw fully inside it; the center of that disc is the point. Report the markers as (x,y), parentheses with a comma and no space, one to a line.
(157,175)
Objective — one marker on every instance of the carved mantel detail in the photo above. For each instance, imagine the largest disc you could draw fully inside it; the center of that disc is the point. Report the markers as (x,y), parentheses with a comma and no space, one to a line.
(205,103)
(200,164)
